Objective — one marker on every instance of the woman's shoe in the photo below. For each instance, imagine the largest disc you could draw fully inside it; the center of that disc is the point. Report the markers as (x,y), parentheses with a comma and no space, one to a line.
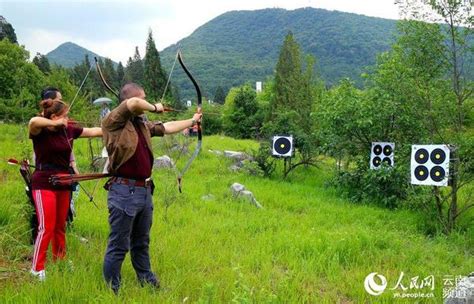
(41,275)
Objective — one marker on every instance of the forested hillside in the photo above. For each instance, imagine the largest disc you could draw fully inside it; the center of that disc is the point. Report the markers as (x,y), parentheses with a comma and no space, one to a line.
(242,46)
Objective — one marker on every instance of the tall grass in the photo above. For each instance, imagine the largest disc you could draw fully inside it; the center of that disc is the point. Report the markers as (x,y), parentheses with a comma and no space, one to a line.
(305,245)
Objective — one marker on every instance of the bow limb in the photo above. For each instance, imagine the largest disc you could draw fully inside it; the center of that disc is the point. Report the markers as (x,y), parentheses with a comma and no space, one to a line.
(102,78)
(199,110)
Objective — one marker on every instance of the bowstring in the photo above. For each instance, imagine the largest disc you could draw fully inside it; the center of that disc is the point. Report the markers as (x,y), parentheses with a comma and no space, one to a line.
(80,87)
(168,145)
(169,77)
(91,198)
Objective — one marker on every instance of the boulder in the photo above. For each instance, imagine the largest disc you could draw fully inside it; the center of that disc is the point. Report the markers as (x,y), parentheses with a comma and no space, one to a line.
(239,192)
(163,162)
(236,188)
(247,195)
(216,152)
(237,155)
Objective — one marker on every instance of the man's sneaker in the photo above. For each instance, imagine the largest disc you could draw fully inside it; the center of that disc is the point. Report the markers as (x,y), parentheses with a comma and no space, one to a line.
(153,282)
(41,275)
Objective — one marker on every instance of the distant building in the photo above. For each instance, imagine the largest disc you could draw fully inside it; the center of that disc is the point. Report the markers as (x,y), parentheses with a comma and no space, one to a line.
(258,86)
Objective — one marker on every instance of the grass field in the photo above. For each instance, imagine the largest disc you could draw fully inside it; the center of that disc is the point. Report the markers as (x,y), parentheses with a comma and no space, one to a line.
(307,245)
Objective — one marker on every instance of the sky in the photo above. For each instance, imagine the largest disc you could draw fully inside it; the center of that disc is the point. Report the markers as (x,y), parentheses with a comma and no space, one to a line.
(113,28)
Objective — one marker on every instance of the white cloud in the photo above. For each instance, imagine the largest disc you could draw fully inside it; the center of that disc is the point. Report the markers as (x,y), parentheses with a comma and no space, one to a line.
(40,40)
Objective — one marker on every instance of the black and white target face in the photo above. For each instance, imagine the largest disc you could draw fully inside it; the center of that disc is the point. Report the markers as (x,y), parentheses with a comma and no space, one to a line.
(282,145)
(430,165)
(381,153)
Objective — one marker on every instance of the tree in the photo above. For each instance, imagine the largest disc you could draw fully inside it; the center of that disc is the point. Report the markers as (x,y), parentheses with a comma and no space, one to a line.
(292,103)
(120,75)
(92,87)
(176,102)
(458,18)
(20,83)
(244,118)
(7,31)
(219,96)
(155,77)
(456,49)
(42,62)
(79,73)
(405,103)
(109,73)
(83,110)
(135,71)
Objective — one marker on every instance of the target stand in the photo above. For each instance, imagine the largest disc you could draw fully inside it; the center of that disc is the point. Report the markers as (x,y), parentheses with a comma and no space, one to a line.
(381,152)
(282,146)
(430,165)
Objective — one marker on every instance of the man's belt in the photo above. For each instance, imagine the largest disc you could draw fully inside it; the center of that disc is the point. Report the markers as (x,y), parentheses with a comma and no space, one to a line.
(132,182)
(51,167)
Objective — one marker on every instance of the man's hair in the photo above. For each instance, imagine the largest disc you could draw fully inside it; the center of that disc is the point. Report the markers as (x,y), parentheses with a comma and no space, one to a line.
(49,93)
(130,90)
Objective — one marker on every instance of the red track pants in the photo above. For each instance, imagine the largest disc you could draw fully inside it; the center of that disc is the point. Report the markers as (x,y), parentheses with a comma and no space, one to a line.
(52,207)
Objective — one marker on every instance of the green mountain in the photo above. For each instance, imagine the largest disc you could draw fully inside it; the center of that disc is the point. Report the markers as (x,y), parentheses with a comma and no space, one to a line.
(243,46)
(70,54)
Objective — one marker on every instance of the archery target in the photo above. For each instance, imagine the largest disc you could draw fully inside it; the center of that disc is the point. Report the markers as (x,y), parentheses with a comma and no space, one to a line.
(430,165)
(381,152)
(282,146)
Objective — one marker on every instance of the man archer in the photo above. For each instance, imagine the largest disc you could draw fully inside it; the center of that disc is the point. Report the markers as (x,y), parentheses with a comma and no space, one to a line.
(127,137)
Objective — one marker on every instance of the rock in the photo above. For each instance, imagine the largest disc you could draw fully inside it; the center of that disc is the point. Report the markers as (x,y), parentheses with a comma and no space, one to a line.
(237,166)
(83,240)
(236,155)
(239,192)
(208,197)
(80,238)
(234,168)
(236,188)
(183,149)
(216,152)
(463,293)
(163,162)
(247,195)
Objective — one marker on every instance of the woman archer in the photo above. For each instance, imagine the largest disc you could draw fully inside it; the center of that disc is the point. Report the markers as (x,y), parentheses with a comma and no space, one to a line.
(52,138)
